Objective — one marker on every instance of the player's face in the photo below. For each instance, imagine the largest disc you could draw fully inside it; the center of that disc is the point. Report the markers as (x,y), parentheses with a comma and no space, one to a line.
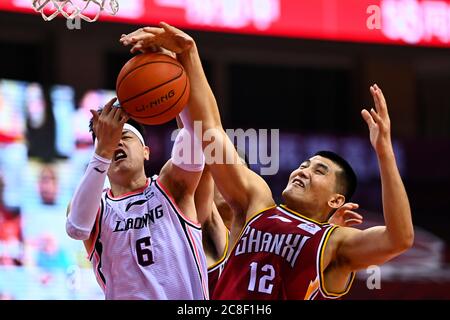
(311,186)
(129,156)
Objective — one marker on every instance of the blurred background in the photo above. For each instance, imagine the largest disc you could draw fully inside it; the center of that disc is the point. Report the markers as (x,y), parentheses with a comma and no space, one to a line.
(303,67)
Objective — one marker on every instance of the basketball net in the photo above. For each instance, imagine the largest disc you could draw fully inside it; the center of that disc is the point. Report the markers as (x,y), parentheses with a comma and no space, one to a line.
(70,9)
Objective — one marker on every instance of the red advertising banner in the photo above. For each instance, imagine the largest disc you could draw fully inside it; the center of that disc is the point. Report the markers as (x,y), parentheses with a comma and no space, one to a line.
(411,22)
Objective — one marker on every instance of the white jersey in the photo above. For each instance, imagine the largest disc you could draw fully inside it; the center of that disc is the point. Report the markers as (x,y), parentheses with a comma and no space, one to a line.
(145,248)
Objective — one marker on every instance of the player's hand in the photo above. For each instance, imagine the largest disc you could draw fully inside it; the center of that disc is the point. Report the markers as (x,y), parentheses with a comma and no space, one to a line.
(108,126)
(166,36)
(345,216)
(378,122)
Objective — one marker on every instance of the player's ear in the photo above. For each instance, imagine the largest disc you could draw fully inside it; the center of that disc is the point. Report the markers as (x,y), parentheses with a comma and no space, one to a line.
(336,201)
(146,153)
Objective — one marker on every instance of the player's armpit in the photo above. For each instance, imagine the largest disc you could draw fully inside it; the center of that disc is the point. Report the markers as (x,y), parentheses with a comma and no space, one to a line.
(180,185)
(217,232)
(204,197)
(358,249)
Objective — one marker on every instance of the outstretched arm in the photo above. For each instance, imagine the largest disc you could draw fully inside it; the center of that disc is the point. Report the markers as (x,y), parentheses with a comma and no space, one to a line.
(374,246)
(181,174)
(243,189)
(86,200)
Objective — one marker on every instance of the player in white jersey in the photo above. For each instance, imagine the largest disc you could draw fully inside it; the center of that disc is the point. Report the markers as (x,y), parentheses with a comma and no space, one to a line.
(142,235)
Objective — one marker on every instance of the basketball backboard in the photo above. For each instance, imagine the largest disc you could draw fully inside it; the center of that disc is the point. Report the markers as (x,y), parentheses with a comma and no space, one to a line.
(88,10)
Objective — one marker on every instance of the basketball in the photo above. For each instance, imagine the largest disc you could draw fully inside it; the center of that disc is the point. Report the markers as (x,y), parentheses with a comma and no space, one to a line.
(152,88)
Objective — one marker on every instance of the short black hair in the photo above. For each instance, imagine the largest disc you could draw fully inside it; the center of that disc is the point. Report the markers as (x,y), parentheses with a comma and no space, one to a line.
(346,179)
(139,127)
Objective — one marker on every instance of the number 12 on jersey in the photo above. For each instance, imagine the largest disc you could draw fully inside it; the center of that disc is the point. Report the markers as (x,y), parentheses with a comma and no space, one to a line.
(265,276)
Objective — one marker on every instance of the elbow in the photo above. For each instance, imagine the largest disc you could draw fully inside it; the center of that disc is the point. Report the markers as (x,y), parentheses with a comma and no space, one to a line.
(404,243)
(75,232)
(408,241)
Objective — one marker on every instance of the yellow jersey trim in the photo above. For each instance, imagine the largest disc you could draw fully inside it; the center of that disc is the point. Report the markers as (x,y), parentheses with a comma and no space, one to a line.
(322,278)
(302,216)
(224,254)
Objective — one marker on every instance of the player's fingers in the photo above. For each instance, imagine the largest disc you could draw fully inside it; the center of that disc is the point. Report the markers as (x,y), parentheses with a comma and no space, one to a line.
(95,115)
(168,52)
(182,38)
(110,103)
(124,117)
(375,116)
(112,112)
(136,48)
(376,98)
(127,39)
(168,28)
(352,222)
(368,118)
(382,99)
(153,30)
(117,113)
(150,49)
(353,205)
(153,48)
(350,205)
(145,37)
(108,106)
(121,115)
(353,215)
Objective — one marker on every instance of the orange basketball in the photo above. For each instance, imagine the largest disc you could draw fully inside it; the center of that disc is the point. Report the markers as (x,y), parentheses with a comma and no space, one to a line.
(153,88)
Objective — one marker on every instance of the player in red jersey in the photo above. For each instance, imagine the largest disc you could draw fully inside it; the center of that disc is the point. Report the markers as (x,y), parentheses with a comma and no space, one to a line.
(290,251)
(216,217)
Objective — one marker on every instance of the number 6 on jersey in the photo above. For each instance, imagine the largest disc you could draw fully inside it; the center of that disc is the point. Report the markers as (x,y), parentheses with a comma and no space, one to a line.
(144,254)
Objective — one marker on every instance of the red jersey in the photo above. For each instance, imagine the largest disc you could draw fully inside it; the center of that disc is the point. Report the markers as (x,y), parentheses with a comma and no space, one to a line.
(214,272)
(278,257)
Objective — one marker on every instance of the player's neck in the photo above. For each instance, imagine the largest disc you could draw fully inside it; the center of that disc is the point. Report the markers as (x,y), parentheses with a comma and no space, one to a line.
(122,186)
(309,213)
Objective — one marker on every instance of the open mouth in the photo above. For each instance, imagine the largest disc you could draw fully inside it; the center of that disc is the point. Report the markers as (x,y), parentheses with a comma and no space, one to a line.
(298,182)
(119,155)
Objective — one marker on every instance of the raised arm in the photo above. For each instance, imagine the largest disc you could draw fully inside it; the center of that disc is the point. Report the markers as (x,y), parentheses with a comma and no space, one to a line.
(359,249)
(243,189)
(181,174)
(82,211)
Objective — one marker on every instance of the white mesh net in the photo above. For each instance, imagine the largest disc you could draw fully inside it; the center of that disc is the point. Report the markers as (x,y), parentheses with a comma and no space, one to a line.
(72,9)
